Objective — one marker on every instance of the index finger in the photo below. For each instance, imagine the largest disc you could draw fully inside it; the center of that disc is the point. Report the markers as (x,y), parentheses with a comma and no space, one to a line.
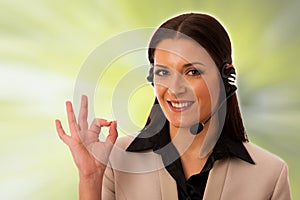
(113,133)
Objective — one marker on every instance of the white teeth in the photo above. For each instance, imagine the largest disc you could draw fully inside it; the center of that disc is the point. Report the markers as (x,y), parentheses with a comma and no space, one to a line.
(180,105)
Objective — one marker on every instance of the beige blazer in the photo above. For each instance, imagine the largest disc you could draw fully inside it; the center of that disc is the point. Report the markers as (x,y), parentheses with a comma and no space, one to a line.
(141,176)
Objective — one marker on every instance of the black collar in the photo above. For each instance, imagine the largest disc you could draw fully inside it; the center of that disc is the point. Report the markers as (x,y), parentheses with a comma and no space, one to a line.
(161,143)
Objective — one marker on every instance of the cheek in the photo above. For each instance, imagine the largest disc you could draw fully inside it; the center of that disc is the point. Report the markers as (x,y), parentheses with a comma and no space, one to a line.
(206,92)
(159,90)
(202,93)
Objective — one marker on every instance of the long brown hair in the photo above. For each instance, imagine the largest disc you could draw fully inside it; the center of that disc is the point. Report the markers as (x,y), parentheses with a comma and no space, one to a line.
(212,36)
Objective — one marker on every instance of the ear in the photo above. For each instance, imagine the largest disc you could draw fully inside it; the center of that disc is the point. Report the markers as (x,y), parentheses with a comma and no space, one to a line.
(229,78)
(150,75)
(228,71)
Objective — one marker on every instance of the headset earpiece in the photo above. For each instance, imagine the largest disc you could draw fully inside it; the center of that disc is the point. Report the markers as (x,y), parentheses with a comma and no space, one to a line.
(229,78)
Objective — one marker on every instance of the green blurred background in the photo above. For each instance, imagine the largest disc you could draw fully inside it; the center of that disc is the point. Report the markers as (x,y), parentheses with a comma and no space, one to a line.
(43,44)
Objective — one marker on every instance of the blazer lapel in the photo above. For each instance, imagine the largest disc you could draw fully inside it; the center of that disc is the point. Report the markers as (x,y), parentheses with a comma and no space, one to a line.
(167,185)
(216,180)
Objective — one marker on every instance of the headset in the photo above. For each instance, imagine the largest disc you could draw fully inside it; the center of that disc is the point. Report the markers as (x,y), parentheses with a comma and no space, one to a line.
(229,80)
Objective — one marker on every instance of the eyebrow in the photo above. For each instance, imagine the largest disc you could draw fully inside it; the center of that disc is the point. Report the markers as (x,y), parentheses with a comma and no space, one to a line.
(184,66)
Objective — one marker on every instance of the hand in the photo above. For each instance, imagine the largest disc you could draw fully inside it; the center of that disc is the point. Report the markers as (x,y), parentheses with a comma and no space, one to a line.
(90,155)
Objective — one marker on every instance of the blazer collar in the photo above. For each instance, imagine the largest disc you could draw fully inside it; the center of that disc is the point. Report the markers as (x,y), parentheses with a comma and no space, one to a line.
(216,180)
(167,185)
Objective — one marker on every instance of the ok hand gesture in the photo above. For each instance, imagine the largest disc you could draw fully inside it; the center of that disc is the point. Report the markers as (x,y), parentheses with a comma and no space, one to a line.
(90,155)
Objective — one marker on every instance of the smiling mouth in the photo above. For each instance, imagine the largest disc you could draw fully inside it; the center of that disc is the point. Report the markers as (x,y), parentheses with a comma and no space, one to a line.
(180,106)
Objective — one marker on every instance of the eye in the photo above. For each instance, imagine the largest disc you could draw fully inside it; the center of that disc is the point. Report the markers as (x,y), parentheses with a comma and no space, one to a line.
(161,72)
(194,72)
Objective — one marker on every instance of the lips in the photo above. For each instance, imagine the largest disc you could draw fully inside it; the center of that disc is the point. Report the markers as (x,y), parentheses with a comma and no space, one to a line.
(179,106)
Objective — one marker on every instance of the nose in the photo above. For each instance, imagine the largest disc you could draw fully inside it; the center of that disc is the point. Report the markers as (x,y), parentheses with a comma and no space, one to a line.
(177,86)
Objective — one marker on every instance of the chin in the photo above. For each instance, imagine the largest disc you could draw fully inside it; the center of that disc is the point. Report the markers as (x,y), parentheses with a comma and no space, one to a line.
(181,124)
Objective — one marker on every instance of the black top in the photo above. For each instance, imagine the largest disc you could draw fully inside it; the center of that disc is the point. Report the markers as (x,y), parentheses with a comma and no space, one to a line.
(194,187)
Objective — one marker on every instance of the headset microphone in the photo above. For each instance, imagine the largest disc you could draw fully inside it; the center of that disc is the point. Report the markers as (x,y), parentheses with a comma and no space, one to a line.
(196,128)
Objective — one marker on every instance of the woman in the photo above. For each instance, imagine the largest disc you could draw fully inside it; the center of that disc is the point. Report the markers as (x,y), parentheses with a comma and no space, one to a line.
(194,145)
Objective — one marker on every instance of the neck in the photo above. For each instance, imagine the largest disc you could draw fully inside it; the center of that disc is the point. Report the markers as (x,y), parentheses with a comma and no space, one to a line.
(187,143)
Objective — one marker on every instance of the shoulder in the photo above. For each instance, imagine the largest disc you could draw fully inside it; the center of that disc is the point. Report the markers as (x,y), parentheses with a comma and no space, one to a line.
(267,165)
(262,156)
(133,162)
(124,141)
(268,176)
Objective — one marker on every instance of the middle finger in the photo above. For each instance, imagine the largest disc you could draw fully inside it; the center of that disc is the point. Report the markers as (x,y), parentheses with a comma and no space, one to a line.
(71,119)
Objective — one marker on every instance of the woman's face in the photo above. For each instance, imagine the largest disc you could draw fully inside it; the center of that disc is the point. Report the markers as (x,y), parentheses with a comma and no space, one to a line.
(186,81)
